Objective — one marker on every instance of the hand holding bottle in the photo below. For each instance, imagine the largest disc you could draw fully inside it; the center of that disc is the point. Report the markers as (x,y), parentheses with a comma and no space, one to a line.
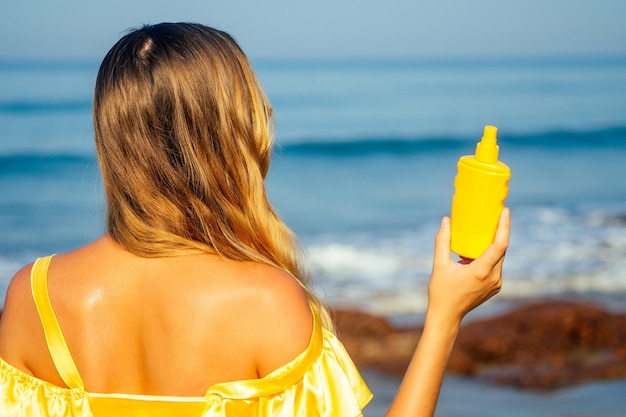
(456,288)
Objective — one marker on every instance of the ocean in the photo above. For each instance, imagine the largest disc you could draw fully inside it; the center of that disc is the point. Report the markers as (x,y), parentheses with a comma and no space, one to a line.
(363,169)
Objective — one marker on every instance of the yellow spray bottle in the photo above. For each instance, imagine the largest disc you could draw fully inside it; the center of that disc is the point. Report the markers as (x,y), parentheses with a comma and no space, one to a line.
(481,186)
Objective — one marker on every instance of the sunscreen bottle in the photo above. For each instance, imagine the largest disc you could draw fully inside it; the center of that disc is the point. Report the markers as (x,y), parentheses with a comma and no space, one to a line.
(481,186)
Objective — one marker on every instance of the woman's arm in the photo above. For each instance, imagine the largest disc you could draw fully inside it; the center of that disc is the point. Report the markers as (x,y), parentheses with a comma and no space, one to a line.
(453,291)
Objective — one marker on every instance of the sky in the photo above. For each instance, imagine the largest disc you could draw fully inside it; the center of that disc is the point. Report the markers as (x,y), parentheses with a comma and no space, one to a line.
(82,29)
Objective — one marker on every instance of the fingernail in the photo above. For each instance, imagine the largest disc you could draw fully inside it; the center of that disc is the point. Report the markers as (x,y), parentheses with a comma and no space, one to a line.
(445,222)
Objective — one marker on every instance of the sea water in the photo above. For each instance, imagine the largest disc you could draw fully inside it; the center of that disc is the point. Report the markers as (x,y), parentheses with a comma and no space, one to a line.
(364,166)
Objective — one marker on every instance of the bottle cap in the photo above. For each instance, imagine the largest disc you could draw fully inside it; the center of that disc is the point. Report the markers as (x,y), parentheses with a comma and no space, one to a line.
(487,149)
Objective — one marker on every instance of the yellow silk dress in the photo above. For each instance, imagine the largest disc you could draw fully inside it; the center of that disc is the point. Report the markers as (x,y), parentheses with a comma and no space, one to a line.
(322,381)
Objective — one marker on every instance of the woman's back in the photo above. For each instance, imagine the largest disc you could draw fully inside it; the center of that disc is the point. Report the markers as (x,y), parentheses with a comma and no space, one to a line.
(159,326)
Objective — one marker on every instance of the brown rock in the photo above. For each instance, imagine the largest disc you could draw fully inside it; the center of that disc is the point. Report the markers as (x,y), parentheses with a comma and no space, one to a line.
(373,343)
(541,345)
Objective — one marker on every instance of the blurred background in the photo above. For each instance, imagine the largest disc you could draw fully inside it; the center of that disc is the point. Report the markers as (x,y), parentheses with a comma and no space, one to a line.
(374,103)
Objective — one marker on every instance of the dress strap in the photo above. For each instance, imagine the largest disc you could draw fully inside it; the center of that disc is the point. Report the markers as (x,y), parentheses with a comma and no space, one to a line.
(54,337)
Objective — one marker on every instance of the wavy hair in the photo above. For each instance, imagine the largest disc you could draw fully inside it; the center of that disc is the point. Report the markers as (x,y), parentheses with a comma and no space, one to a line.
(183,135)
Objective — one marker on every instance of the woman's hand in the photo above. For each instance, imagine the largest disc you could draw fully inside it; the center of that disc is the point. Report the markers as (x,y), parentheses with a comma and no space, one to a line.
(456,288)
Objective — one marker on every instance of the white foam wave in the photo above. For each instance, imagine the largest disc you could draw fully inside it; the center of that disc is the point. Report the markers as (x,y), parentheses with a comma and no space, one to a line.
(553,251)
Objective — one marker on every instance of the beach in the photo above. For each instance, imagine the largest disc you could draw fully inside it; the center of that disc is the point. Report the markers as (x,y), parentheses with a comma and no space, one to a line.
(363,170)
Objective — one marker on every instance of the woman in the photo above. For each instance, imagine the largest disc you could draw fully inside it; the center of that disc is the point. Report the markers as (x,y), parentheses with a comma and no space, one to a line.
(195,302)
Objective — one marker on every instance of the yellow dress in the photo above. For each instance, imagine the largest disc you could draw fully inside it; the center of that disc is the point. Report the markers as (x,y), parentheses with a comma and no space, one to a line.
(322,381)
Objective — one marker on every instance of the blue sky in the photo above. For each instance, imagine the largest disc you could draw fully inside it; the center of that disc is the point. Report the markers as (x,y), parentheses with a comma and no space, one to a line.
(327,28)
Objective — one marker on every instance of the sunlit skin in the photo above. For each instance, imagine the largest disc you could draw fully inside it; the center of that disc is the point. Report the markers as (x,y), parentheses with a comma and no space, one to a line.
(172,326)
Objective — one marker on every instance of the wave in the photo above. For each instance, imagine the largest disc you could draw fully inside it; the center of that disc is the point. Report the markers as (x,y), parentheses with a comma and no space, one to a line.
(608,136)
(44,106)
(364,146)
(36,164)
(361,146)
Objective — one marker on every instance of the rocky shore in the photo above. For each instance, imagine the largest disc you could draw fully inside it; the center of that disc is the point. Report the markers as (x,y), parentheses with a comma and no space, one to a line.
(541,345)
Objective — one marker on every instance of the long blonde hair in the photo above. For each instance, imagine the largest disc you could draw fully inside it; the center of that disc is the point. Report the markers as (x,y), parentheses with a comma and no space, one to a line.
(184,136)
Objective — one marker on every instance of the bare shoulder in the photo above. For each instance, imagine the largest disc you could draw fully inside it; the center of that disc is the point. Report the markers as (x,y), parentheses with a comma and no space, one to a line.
(18,299)
(282,319)
(278,291)
(20,284)
(18,318)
